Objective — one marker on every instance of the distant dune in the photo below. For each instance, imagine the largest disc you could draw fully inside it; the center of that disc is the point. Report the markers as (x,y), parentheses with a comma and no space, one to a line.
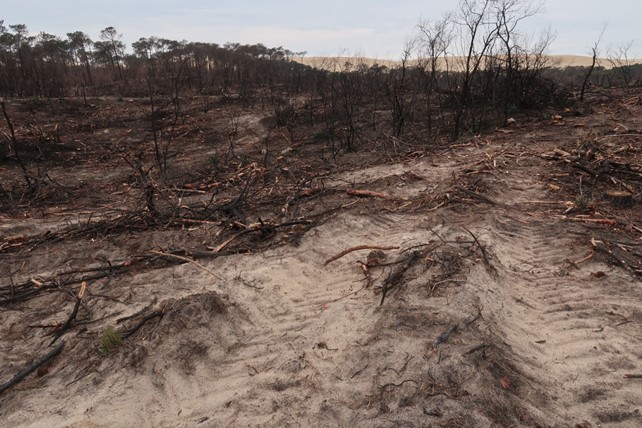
(583,61)
(339,62)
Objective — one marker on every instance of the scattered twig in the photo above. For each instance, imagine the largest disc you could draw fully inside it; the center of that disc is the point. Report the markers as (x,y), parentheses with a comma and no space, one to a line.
(145,309)
(395,277)
(358,372)
(365,268)
(433,412)
(60,331)
(80,377)
(604,137)
(443,337)
(632,376)
(477,196)
(187,260)
(156,314)
(345,295)
(588,257)
(13,146)
(591,220)
(226,243)
(603,247)
(357,248)
(584,168)
(481,248)
(369,193)
(476,348)
(397,385)
(460,281)
(476,317)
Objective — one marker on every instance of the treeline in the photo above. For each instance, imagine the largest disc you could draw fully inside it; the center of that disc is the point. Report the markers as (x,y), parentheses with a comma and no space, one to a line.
(472,69)
(613,75)
(51,66)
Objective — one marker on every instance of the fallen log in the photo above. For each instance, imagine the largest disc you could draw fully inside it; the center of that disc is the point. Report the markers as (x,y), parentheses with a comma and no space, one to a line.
(19,377)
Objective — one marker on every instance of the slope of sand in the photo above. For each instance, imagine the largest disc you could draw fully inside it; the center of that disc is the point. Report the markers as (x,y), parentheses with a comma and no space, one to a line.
(278,339)
(338,63)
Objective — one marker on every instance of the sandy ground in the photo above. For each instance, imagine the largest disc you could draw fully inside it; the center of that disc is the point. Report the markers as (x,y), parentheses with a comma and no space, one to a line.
(338,63)
(511,335)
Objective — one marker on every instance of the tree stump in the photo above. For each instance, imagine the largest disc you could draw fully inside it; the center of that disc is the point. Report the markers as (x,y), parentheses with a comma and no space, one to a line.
(620,198)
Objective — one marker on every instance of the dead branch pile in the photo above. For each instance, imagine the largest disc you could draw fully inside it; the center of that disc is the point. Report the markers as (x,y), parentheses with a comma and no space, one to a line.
(246,240)
(605,168)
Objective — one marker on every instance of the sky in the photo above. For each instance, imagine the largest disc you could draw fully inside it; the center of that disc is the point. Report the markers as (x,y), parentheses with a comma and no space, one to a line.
(374,28)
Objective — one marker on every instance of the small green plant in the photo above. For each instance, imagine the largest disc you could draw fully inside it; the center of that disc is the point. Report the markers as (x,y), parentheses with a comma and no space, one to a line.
(214,161)
(110,340)
(583,201)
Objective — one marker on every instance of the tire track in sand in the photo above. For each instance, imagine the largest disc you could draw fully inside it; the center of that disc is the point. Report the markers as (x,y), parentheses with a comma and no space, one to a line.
(573,329)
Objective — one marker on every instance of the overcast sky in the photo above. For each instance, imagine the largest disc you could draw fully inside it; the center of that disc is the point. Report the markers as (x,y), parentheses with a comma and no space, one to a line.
(374,28)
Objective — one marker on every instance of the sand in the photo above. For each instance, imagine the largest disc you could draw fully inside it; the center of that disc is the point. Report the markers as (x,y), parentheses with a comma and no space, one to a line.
(555,61)
(276,338)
